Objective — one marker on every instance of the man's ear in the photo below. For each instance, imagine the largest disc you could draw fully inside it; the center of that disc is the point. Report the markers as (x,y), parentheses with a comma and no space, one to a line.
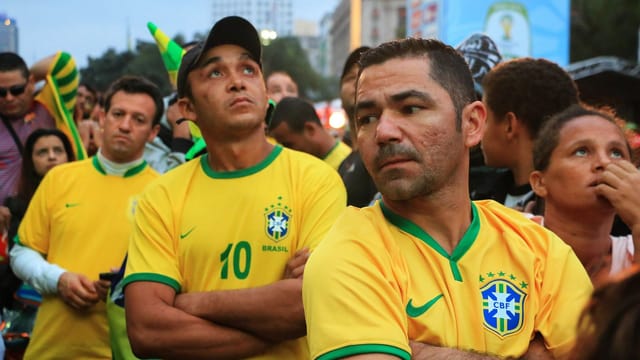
(186,109)
(538,184)
(154,132)
(309,129)
(101,118)
(511,124)
(474,117)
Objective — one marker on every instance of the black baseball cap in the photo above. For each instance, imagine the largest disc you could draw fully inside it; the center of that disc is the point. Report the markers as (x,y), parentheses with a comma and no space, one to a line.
(481,54)
(229,30)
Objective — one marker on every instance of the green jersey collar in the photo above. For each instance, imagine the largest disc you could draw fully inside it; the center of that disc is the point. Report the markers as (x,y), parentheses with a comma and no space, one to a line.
(131,172)
(204,162)
(465,243)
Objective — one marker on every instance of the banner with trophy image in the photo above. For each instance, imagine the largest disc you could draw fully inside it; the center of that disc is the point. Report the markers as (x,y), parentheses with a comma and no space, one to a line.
(536,28)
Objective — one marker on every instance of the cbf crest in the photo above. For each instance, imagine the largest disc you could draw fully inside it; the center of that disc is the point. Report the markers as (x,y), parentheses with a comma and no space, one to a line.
(277,220)
(503,303)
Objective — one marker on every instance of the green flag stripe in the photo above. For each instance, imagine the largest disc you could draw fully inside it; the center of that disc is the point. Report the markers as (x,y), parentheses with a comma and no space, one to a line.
(62,82)
(61,63)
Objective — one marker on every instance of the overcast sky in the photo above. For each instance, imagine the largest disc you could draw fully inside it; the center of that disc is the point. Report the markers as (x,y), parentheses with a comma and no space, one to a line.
(88,28)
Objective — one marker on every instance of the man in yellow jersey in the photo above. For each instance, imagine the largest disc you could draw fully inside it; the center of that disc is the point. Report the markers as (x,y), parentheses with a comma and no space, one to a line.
(296,125)
(425,273)
(220,242)
(78,225)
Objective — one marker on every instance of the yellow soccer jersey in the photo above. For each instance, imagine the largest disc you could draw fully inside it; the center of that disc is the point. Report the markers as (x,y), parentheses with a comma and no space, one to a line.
(201,230)
(378,281)
(338,152)
(80,219)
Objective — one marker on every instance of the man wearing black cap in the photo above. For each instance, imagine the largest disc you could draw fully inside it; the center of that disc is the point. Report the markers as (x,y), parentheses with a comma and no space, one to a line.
(219,245)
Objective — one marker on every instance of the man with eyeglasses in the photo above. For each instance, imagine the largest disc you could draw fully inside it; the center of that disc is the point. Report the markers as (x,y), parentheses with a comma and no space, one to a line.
(22,111)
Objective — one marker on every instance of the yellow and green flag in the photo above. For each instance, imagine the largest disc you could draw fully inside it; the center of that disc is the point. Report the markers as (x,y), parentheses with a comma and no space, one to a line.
(170,51)
(59,97)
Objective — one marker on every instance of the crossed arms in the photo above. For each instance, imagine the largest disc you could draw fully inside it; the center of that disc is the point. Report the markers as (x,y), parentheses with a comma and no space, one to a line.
(227,324)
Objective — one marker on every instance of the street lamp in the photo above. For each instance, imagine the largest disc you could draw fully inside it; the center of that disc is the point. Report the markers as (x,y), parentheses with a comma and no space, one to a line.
(267,36)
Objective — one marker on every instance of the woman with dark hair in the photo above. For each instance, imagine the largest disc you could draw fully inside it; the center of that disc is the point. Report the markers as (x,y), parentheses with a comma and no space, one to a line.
(43,150)
(584,173)
(608,328)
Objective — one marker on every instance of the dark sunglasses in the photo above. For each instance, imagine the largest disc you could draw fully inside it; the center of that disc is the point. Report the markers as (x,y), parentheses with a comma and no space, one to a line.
(15,90)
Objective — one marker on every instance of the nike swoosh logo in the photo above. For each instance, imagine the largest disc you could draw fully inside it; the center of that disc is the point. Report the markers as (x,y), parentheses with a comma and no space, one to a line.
(414,311)
(184,235)
(70,205)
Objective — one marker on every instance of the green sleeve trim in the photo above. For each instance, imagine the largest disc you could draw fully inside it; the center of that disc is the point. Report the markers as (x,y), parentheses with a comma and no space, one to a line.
(152,278)
(204,161)
(464,245)
(332,149)
(365,349)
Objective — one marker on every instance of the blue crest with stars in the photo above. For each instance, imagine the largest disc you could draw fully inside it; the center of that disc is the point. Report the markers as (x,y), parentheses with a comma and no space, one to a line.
(502,307)
(277,224)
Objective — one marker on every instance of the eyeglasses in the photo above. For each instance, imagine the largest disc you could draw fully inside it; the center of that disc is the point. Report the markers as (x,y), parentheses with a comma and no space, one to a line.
(15,90)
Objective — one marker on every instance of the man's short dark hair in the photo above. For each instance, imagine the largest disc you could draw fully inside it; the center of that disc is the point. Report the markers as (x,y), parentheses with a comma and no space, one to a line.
(295,112)
(549,135)
(136,85)
(446,67)
(11,61)
(352,60)
(533,89)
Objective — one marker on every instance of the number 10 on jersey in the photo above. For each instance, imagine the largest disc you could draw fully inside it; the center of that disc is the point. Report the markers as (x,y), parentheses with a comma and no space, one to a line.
(240,260)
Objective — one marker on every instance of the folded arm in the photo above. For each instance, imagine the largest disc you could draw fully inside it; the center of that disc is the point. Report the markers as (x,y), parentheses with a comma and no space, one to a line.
(158,328)
(273,312)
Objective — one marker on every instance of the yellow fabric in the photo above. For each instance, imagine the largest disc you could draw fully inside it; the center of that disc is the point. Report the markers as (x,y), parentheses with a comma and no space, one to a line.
(337,154)
(59,97)
(368,275)
(80,219)
(200,230)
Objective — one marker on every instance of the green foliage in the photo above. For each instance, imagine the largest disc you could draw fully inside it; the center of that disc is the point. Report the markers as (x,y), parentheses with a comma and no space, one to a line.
(286,54)
(144,61)
(604,28)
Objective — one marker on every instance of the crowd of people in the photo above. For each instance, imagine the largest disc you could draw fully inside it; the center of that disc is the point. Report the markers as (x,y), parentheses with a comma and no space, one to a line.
(468,213)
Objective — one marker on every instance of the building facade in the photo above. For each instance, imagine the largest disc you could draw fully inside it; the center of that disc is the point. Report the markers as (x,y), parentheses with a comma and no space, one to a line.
(269,15)
(8,34)
(380,21)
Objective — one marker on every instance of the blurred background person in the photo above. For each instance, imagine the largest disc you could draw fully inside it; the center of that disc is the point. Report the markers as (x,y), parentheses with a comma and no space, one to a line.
(86,100)
(44,149)
(608,328)
(520,96)
(22,110)
(360,186)
(296,125)
(281,85)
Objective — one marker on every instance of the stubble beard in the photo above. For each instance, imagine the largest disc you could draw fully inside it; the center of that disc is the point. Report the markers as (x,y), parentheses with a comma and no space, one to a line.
(396,185)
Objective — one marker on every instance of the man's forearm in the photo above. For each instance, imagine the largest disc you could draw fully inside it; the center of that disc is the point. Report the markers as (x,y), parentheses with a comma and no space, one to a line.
(32,268)
(273,312)
(421,351)
(159,330)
